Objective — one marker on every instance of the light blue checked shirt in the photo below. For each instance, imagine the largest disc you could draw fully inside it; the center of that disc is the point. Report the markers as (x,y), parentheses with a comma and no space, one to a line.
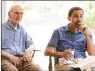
(63,39)
(14,41)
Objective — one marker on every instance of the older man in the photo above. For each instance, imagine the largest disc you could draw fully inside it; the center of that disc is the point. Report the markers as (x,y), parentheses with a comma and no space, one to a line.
(17,45)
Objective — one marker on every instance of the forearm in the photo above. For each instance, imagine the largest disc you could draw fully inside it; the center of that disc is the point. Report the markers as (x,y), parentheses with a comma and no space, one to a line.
(5,54)
(28,54)
(54,53)
(30,50)
(51,52)
(90,45)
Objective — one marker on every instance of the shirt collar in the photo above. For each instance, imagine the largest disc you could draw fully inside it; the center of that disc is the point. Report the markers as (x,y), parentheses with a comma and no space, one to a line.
(68,29)
(10,26)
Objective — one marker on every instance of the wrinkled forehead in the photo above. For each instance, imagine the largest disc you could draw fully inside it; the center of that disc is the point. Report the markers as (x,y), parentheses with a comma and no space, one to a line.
(16,8)
(77,12)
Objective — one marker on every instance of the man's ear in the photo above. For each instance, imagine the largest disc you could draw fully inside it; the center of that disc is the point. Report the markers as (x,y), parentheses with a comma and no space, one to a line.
(68,18)
(8,13)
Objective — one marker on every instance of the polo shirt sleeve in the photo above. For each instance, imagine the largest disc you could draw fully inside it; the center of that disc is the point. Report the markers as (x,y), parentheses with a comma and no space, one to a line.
(90,35)
(54,39)
(28,41)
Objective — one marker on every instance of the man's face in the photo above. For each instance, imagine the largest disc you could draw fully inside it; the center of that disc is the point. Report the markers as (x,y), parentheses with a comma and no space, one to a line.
(76,18)
(15,15)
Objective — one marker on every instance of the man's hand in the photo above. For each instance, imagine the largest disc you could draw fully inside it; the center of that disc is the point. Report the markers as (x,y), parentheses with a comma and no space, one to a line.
(15,60)
(90,45)
(66,54)
(27,57)
(84,29)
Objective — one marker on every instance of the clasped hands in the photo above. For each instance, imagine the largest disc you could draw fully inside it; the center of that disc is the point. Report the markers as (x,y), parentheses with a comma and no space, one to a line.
(17,61)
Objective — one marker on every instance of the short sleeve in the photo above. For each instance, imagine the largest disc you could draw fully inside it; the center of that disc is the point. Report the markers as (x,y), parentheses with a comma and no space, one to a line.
(90,35)
(54,39)
(28,41)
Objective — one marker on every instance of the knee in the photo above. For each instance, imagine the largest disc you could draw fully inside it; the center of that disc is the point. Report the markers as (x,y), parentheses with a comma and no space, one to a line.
(10,69)
(7,66)
(32,67)
(13,69)
(37,68)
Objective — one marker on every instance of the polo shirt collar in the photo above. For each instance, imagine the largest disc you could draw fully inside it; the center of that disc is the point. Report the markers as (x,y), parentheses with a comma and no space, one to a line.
(68,29)
(10,26)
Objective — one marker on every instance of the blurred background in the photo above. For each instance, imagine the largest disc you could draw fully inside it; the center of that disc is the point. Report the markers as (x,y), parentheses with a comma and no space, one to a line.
(42,17)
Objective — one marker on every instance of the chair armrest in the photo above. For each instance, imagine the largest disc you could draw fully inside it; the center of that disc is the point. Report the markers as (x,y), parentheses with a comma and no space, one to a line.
(34,52)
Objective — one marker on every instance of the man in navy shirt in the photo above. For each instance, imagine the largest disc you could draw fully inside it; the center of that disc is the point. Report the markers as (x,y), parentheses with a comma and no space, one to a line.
(74,36)
(17,45)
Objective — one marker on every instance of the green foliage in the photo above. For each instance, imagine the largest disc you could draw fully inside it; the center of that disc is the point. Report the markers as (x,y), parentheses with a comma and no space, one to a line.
(90,5)
(90,20)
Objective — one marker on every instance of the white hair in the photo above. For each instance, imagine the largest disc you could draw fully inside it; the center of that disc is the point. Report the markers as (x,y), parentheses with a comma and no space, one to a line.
(15,5)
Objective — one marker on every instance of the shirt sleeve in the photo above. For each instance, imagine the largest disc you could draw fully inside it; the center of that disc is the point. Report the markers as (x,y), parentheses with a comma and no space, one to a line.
(28,41)
(54,39)
(90,36)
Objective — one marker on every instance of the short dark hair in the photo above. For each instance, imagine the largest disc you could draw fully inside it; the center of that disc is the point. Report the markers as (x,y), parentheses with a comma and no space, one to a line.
(72,9)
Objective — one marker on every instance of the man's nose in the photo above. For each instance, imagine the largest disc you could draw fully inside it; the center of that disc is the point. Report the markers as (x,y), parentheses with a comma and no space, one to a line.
(19,15)
(79,19)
